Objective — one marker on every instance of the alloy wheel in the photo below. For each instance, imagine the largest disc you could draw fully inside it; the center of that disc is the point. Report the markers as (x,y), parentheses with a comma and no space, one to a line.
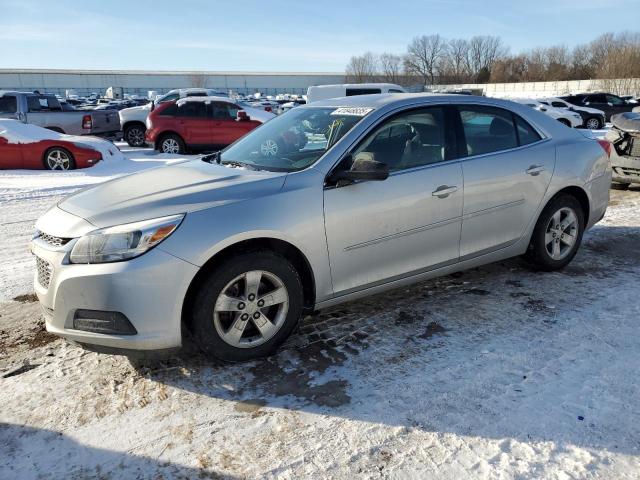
(135,136)
(561,234)
(251,309)
(170,145)
(58,160)
(269,148)
(593,124)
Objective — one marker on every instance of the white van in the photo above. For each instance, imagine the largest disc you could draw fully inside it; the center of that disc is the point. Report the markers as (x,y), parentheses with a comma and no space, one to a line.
(322,92)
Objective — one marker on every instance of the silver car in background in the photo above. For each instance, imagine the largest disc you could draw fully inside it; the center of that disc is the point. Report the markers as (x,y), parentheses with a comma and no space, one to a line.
(327,203)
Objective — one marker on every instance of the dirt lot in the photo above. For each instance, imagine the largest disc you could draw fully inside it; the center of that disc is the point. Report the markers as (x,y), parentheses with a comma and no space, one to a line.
(498,372)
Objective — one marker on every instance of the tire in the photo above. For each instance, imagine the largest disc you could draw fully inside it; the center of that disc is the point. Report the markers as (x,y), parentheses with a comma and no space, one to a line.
(542,252)
(593,123)
(565,122)
(134,135)
(224,304)
(172,143)
(58,158)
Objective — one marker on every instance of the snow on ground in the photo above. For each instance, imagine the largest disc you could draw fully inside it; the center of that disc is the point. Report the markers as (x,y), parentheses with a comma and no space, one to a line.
(27,194)
(498,372)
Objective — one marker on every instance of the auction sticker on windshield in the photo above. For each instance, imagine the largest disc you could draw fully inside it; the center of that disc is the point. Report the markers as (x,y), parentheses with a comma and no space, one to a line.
(356,111)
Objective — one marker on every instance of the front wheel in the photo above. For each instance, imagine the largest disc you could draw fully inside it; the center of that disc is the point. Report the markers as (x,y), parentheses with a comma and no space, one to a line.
(59,159)
(557,234)
(247,306)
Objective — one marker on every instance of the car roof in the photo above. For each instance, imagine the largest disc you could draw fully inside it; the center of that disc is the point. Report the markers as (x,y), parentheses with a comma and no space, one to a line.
(380,100)
(204,99)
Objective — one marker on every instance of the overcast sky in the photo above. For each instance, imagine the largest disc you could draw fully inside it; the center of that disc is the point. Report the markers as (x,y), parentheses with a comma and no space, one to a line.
(278,35)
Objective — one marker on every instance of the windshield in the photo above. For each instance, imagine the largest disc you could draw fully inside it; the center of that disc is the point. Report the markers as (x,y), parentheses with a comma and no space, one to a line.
(294,140)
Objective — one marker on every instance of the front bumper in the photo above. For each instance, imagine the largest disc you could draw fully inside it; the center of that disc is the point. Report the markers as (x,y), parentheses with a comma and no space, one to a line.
(148,291)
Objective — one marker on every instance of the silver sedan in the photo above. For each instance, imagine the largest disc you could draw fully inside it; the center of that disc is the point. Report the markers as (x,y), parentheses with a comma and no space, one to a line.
(327,203)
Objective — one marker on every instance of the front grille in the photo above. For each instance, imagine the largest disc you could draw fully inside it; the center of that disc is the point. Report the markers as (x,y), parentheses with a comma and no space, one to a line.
(53,241)
(45,270)
(634,148)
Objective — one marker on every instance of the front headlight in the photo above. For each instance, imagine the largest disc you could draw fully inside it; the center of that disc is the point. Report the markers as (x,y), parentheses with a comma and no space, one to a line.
(123,242)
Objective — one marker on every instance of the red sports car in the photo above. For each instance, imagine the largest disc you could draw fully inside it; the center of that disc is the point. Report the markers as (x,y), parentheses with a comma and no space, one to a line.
(29,146)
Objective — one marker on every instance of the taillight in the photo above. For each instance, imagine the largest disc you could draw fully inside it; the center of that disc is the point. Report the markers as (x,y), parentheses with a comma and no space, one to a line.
(87,122)
(606,146)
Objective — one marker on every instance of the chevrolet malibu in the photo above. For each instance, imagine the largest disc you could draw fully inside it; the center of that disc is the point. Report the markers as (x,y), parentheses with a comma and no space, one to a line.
(327,203)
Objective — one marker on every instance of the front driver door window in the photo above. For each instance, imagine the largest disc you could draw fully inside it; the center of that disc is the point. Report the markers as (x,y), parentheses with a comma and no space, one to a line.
(408,223)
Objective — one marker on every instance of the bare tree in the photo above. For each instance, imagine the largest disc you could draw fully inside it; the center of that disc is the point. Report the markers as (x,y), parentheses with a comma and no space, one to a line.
(363,68)
(456,60)
(424,55)
(482,53)
(390,67)
(198,80)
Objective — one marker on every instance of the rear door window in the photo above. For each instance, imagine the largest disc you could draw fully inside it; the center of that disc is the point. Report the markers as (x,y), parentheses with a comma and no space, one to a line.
(8,104)
(43,104)
(224,111)
(192,110)
(362,91)
(559,104)
(487,129)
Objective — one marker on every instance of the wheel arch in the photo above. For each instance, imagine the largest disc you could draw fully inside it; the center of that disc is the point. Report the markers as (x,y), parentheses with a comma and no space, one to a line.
(161,136)
(55,129)
(575,191)
(131,123)
(290,251)
(56,147)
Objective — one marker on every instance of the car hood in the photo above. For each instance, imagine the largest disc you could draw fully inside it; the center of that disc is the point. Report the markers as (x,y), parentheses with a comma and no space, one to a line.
(588,110)
(628,121)
(178,188)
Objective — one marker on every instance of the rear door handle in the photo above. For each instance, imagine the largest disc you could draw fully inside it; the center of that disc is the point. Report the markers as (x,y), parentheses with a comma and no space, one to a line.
(443,191)
(534,170)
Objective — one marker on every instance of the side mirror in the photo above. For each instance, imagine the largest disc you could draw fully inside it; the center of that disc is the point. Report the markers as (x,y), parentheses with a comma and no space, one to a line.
(610,104)
(364,167)
(242,116)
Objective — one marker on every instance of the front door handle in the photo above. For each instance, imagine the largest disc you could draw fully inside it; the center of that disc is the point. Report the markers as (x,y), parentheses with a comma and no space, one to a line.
(534,170)
(443,191)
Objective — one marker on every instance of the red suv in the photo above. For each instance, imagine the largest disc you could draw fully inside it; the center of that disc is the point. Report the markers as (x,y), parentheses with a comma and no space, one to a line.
(196,123)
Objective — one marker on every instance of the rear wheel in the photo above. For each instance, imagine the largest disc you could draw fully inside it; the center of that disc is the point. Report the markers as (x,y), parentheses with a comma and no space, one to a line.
(58,158)
(593,123)
(134,135)
(558,234)
(172,143)
(247,306)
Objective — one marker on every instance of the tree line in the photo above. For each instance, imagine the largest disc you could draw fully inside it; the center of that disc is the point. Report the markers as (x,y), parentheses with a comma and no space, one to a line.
(434,59)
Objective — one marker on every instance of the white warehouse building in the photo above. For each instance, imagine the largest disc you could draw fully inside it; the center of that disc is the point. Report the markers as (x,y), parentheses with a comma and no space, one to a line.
(85,82)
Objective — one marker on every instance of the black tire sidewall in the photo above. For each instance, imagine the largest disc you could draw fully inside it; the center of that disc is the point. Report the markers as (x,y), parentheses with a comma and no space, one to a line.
(203,328)
(538,253)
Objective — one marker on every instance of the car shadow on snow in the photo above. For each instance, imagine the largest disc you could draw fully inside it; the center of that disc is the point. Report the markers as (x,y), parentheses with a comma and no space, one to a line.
(29,452)
(497,352)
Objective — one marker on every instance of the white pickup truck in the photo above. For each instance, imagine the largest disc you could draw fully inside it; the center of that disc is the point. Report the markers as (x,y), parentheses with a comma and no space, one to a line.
(134,119)
(46,111)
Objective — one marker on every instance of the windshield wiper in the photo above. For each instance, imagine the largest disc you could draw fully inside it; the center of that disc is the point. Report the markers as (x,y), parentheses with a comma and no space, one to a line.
(211,157)
(234,163)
